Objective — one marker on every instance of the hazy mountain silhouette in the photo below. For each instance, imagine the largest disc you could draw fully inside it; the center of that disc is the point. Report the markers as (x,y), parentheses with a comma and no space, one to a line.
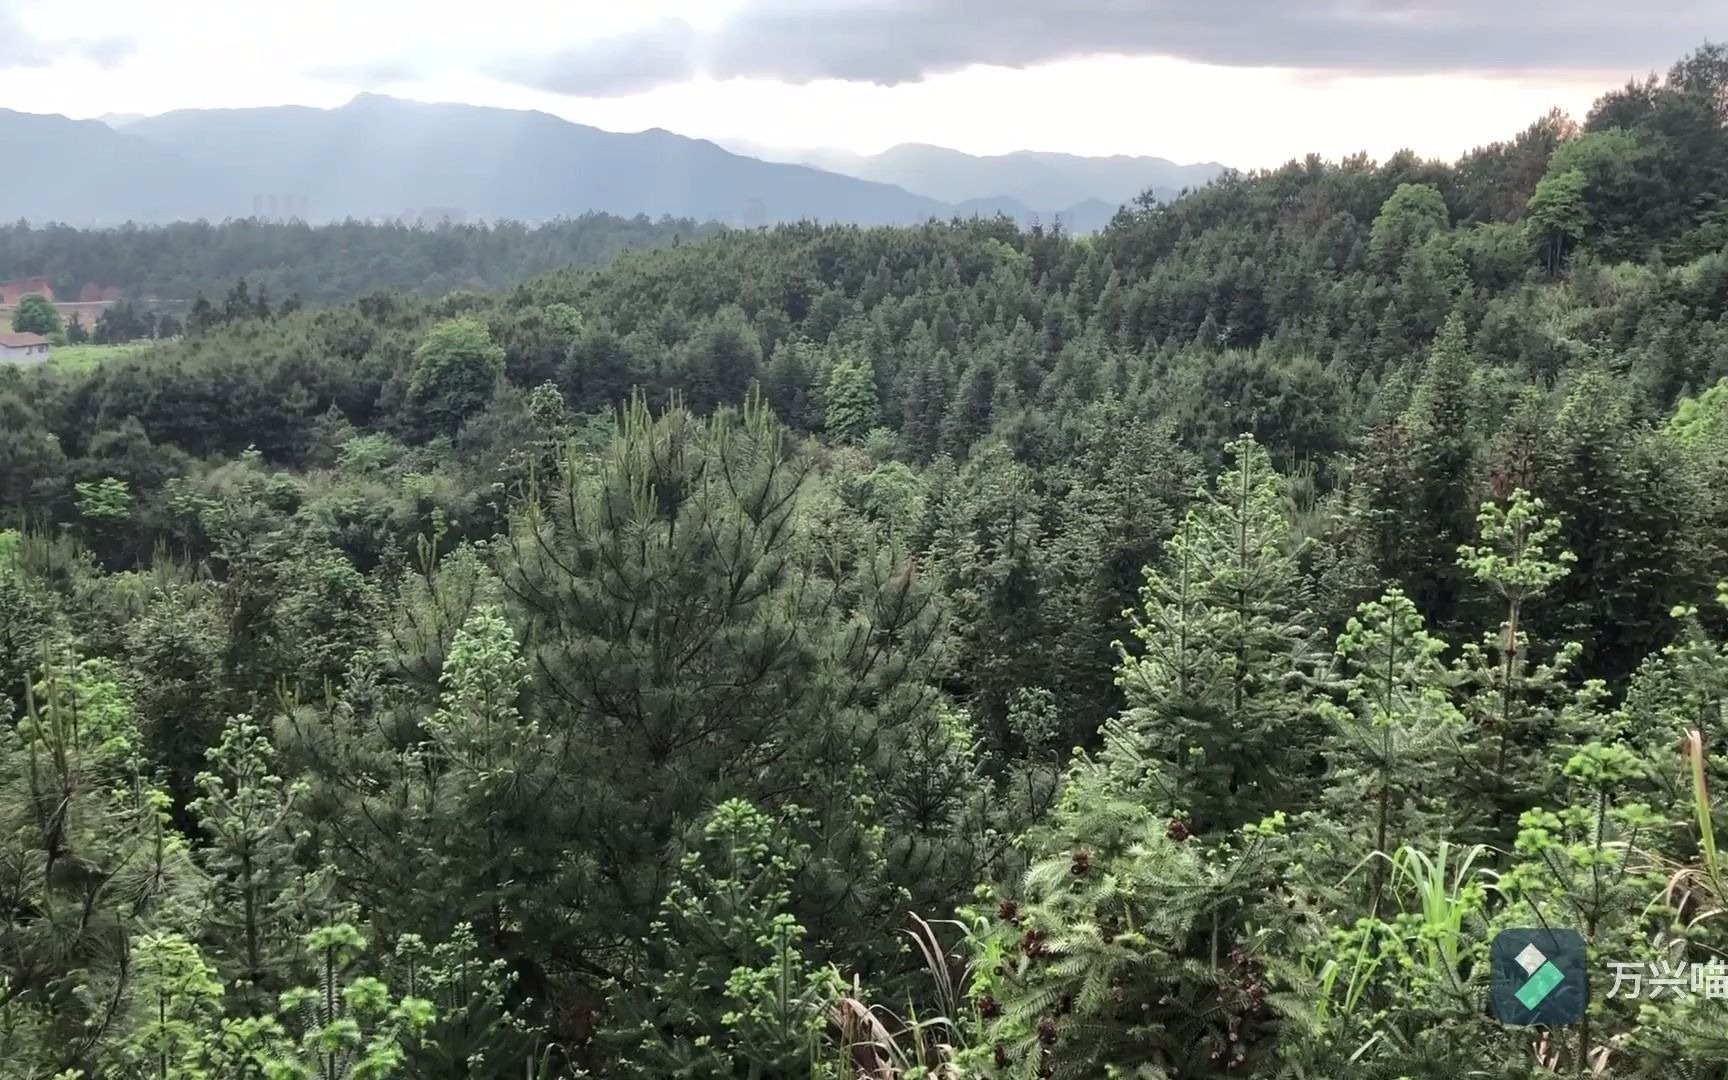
(1032,178)
(380,156)
(85,172)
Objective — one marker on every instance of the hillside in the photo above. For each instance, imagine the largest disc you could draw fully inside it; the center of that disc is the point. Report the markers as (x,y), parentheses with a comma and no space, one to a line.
(84,171)
(378,157)
(321,263)
(1225,647)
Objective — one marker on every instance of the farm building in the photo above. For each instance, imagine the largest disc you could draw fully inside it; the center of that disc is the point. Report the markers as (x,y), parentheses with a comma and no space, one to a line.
(13,291)
(21,348)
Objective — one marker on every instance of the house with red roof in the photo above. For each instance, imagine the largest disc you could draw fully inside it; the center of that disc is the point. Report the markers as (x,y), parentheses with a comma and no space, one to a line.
(18,347)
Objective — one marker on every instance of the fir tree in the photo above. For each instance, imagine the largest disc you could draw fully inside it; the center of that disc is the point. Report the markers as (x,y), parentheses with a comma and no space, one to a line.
(728,990)
(350,1026)
(1390,738)
(90,861)
(1611,482)
(851,399)
(970,414)
(1442,463)
(1217,690)
(262,899)
(1124,945)
(175,1000)
(1513,696)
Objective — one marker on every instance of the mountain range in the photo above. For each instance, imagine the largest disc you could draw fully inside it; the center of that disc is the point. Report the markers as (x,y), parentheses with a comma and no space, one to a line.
(379,157)
(1027,176)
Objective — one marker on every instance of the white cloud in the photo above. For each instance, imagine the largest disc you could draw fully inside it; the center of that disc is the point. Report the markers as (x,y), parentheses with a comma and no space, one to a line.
(215,53)
(25,46)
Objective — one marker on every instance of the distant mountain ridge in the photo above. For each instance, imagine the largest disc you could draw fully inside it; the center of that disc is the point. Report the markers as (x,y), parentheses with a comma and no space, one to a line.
(1030,177)
(378,156)
(82,171)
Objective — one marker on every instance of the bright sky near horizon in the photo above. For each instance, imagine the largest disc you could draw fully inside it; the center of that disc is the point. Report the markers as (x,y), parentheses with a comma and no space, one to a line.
(1244,82)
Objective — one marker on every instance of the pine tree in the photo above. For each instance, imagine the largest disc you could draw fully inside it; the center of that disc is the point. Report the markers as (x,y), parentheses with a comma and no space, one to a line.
(693,638)
(1589,862)
(789,384)
(720,362)
(176,645)
(443,805)
(925,392)
(174,1002)
(1684,688)
(1120,488)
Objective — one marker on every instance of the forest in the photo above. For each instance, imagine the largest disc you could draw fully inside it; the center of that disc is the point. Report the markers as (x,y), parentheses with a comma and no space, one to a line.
(319,263)
(866,653)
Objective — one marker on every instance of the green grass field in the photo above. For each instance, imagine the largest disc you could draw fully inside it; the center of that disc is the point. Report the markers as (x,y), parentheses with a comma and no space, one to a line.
(84,357)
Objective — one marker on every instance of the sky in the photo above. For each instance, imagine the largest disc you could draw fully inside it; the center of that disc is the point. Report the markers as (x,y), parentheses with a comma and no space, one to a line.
(1248,83)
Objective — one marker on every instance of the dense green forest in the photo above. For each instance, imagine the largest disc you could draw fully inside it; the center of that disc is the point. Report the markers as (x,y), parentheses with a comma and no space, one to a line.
(320,263)
(949,651)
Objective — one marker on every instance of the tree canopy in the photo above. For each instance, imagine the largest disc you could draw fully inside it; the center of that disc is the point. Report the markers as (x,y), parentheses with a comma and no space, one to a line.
(950,652)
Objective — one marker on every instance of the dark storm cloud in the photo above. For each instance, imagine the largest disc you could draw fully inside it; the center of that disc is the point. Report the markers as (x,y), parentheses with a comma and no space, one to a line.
(20,48)
(896,41)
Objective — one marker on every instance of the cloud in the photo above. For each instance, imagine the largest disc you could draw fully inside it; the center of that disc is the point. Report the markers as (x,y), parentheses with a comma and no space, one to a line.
(369,74)
(106,52)
(19,48)
(610,67)
(897,41)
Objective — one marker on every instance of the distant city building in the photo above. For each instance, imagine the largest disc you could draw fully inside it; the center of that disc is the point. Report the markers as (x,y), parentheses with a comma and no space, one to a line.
(430,217)
(21,348)
(13,291)
(281,208)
